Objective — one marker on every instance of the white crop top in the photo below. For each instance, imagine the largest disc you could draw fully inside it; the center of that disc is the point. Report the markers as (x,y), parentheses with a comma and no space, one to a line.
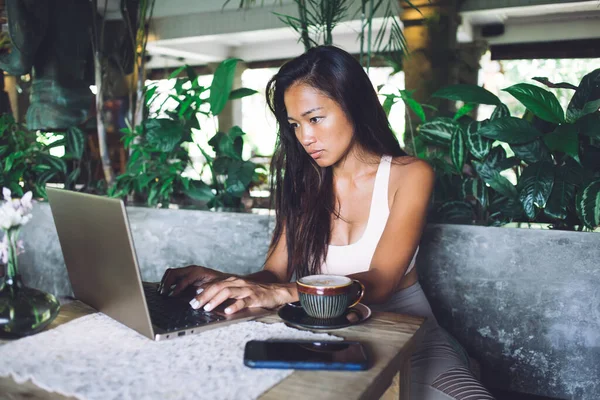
(356,257)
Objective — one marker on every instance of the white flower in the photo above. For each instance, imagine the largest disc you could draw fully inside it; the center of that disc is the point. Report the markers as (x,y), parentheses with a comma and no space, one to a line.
(4,250)
(15,212)
(6,194)
(26,202)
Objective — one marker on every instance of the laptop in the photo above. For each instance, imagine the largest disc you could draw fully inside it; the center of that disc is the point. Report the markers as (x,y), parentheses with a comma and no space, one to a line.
(99,253)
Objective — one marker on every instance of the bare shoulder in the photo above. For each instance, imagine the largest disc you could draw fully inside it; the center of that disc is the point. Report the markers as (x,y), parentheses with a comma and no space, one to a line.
(407,170)
(411,179)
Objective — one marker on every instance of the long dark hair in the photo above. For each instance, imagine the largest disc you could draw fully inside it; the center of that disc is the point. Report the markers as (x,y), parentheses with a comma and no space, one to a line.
(303,191)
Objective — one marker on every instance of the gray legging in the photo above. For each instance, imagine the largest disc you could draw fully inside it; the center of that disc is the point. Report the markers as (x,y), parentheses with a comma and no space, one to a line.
(439,363)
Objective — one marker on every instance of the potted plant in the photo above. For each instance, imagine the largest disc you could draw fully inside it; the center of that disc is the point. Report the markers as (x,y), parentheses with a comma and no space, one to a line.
(543,167)
(23,310)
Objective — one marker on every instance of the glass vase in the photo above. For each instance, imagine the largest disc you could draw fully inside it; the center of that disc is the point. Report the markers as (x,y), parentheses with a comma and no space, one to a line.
(23,310)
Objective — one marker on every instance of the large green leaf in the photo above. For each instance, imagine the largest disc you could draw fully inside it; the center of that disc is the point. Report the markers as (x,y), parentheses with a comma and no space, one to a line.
(221,85)
(535,186)
(464,110)
(58,164)
(532,152)
(414,105)
(389,101)
(590,204)
(501,111)
(589,108)
(510,130)
(200,191)
(241,93)
(457,149)
(540,101)
(239,177)
(473,188)
(75,142)
(467,94)
(562,195)
(438,131)
(478,145)
(163,134)
(588,90)
(564,139)
(493,178)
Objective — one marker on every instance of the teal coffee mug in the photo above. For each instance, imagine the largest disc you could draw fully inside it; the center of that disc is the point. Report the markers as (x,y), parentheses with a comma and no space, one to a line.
(328,296)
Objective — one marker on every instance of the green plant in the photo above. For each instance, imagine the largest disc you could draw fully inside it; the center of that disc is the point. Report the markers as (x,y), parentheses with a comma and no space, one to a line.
(316,20)
(25,160)
(543,167)
(159,147)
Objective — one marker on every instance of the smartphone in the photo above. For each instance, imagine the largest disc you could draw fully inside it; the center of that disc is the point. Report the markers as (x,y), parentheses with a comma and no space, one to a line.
(298,354)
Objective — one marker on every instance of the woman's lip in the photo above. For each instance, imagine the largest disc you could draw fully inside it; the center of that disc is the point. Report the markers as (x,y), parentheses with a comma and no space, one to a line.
(316,154)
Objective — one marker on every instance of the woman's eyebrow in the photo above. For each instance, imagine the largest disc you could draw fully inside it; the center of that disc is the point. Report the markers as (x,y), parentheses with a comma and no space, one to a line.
(306,112)
(311,111)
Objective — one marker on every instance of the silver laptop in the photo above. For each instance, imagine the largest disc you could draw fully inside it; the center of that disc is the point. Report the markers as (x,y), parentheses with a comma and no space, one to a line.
(99,253)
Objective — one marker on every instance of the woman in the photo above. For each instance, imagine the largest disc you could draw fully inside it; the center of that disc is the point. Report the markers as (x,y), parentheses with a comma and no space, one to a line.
(348,201)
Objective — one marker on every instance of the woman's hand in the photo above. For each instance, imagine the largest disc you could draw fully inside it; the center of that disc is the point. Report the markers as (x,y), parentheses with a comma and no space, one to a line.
(175,280)
(246,294)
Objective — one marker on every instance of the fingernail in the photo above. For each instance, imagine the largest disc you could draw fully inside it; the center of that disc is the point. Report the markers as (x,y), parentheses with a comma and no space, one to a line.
(228,310)
(207,307)
(173,286)
(195,304)
(200,290)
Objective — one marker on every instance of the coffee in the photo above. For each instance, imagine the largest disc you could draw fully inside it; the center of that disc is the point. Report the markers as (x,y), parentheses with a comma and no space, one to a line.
(328,296)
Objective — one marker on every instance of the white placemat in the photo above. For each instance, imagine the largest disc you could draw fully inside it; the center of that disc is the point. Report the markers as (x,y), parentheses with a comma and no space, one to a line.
(97,358)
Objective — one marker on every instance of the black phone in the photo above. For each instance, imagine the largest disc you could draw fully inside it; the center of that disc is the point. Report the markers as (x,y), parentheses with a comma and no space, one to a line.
(301,354)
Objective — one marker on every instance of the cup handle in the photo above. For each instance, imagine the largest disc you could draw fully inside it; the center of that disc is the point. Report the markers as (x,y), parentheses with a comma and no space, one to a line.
(361,293)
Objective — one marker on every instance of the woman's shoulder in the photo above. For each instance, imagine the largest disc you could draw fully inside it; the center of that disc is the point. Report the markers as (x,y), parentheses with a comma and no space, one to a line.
(410,175)
(410,168)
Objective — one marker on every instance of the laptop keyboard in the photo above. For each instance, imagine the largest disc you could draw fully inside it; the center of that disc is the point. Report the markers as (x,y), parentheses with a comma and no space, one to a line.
(174,314)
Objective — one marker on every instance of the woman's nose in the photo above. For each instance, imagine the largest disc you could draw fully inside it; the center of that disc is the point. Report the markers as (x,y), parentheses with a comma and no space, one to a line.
(306,137)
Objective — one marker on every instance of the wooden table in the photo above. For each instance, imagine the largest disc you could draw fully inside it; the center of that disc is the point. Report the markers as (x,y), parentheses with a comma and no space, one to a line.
(389,338)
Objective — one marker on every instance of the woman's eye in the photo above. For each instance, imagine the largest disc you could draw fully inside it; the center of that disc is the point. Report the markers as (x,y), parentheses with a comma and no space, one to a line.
(293,126)
(314,120)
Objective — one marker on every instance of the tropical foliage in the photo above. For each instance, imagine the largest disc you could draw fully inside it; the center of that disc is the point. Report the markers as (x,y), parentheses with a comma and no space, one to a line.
(160,146)
(25,160)
(542,167)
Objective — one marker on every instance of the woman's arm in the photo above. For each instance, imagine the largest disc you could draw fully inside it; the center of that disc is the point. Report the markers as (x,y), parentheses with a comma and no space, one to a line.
(402,233)
(267,288)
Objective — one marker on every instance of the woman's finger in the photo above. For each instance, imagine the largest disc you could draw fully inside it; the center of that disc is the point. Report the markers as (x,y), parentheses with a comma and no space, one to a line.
(213,295)
(213,299)
(239,304)
(209,290)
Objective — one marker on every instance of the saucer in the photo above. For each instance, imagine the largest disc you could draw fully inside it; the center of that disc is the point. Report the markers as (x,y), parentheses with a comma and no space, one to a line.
(294,314)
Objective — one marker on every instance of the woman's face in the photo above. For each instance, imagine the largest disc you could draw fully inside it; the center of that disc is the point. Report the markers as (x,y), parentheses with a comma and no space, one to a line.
(320,124)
